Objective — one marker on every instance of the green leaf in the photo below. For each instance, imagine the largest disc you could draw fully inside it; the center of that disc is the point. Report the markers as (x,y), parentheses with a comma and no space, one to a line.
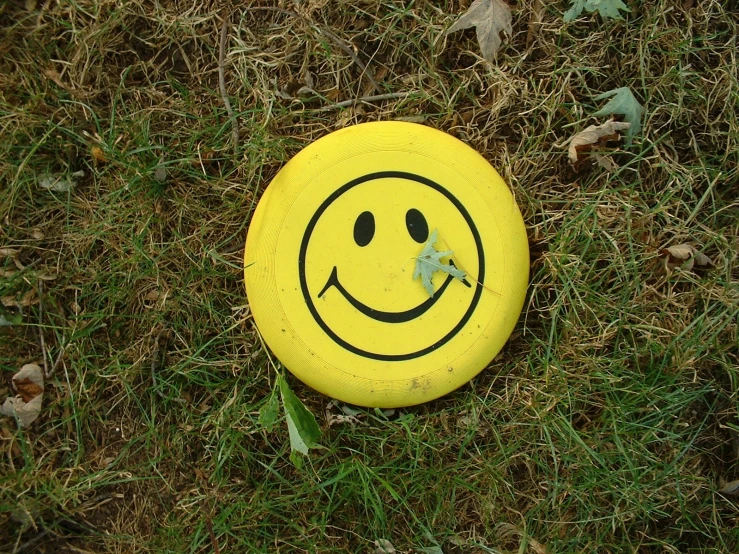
(606,8)
(623,103)
(436,549)
(297,459)
(8,318)
(575,10)
(269,412)
(429,261)
(301,424)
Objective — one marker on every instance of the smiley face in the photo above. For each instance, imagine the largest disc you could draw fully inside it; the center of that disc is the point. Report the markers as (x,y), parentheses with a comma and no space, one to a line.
(357,257)
(364,232)
(331,252)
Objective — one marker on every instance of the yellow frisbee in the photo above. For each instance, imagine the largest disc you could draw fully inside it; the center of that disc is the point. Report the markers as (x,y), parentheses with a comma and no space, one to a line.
(331,254)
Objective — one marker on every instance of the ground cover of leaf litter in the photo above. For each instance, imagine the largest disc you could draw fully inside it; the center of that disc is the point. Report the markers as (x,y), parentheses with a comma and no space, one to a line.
(609,421)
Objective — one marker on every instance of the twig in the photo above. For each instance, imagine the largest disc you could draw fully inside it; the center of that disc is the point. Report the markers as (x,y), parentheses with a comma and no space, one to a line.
(534,22)
(272,9)
(734,442)
(367,72)
(213,541)
(30,265)
(58,360)
(375,98)
(48,371)
(40,287)
(222,83)
(29,543)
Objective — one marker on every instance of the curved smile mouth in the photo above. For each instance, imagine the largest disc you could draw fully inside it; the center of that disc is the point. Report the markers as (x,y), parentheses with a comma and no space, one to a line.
(379,315)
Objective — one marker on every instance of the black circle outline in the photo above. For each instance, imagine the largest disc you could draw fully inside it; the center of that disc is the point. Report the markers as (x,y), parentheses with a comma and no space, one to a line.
(304,248)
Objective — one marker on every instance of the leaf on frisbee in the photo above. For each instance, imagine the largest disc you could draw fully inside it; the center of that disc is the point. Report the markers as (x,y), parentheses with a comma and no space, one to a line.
(489,17)
(301,424)
(685,256)
(429,261)
(29,388)
(623,103)
(606,8)
(594,135)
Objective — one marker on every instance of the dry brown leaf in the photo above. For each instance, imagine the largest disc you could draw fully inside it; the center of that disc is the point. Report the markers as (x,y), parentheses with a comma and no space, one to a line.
(54,76)
(8,252)
(27,389)
(508,531)
(310,82)
(37,233)
(681,251)
(489,17)
(29,386)
(685,256)
(411,118)
(342,419)
(384,546)
(160,174)
(306,9)
(28,299)
(333,94)
(731,488)
(348,415)
(98,154)
(152,296)
(6,435)
(604,161)
(595,134)
(701,260)
(58,183)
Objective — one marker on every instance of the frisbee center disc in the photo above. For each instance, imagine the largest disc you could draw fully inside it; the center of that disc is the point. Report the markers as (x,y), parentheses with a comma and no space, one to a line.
(331,254)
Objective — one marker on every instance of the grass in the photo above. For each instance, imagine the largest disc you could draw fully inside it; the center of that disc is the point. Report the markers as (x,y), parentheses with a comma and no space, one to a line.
(608,421)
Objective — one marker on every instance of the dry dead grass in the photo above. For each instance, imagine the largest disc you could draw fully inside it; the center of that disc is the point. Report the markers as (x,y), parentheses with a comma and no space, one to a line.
(605,426)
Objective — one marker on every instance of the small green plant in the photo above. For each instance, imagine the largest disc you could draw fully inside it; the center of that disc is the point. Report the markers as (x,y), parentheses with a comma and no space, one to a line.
(301,423)
(606,8)
(623,103)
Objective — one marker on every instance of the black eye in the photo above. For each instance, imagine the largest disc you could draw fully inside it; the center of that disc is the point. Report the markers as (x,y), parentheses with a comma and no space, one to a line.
(364,228)
(417,226)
